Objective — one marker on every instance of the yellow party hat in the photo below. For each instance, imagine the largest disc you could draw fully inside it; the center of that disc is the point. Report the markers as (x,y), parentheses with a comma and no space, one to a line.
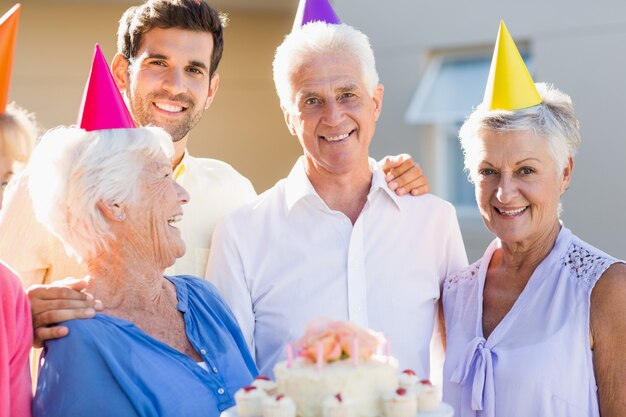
(509,86)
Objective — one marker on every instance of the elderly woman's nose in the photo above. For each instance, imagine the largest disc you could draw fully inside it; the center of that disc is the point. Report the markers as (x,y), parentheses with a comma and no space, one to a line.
(507,189)
(182,194)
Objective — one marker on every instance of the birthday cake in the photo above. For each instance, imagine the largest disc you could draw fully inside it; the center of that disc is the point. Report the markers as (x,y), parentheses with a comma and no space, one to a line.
(337,358)
(336,370)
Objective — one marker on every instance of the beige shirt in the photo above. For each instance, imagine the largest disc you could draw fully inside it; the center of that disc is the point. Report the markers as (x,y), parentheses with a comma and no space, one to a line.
(215,189)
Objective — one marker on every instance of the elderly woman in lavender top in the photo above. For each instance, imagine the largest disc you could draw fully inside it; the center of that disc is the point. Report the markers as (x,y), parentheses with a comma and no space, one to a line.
(537,326)
(163,346)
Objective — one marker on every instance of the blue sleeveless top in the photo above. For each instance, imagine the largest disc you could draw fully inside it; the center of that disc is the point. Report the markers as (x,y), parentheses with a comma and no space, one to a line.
(537,361)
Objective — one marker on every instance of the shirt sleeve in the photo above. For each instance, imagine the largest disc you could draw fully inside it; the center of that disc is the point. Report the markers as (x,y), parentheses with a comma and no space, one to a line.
(76,381)
(226,271)
(455,255)
(16,338)
(454,259)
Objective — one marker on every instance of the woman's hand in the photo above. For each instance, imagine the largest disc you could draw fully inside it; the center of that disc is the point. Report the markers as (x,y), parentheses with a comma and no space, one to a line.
(58,302)
(608,332)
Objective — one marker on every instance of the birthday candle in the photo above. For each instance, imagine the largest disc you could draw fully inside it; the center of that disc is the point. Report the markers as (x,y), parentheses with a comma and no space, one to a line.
(319,357)
(387,350)
(355,351)
(289,351)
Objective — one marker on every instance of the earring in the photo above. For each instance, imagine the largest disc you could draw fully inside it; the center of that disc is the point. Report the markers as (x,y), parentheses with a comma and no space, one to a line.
(120,217)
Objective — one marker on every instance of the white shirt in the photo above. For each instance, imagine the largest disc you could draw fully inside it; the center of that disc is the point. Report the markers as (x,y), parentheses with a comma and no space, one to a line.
(39,257)
(286,258)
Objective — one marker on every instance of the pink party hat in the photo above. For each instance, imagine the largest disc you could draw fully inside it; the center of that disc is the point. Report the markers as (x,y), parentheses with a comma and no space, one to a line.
(314,11)
(8,34)
(102,106)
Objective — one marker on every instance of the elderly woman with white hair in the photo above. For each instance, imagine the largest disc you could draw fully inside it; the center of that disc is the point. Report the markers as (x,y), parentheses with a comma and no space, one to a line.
(536,327)
(165,346)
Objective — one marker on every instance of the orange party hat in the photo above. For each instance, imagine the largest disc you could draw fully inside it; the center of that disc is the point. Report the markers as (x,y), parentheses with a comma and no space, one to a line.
(8,34)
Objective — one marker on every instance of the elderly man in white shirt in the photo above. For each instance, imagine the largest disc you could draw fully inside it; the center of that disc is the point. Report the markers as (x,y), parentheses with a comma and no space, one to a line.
(331,239)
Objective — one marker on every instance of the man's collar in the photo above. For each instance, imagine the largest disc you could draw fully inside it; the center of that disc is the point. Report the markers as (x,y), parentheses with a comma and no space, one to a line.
(379,183)
(298,186)
(181,168)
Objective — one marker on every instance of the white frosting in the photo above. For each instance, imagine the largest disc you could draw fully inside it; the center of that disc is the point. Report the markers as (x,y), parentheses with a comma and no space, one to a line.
(428,397)
(332,407)
(249,403)
(396,405)
(408,382)
(282,407)
(364,384)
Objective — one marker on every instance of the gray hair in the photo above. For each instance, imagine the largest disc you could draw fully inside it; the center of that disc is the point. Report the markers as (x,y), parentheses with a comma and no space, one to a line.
(319,38)
(72,170)
(554,120)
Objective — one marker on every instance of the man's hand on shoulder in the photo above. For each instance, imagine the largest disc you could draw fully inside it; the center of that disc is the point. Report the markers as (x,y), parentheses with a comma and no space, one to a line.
(57,302)
(404,175)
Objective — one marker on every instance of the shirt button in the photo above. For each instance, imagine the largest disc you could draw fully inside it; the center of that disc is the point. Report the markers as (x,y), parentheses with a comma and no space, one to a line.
(203,351)
(220,391)
(214,370)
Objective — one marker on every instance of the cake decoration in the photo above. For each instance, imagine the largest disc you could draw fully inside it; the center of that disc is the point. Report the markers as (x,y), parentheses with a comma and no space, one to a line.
(336,340)
(334,371)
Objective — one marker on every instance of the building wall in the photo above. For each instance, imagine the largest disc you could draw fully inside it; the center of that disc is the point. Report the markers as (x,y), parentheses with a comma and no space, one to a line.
(576,45)
(244,125)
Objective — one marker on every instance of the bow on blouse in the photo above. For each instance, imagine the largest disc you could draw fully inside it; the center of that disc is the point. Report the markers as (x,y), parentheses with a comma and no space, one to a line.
(476,367)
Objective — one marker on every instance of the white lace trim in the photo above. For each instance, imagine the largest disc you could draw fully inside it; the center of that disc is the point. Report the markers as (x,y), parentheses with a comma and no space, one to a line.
(586,266)
(471,272)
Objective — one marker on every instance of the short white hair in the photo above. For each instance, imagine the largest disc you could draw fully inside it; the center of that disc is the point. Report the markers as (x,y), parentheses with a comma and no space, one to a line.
(320,38)
(554,120)
(72,170)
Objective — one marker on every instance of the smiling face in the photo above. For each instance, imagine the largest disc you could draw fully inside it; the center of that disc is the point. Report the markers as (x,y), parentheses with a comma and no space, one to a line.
(518,188)
(167,84)
(151,221)
(334,115)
